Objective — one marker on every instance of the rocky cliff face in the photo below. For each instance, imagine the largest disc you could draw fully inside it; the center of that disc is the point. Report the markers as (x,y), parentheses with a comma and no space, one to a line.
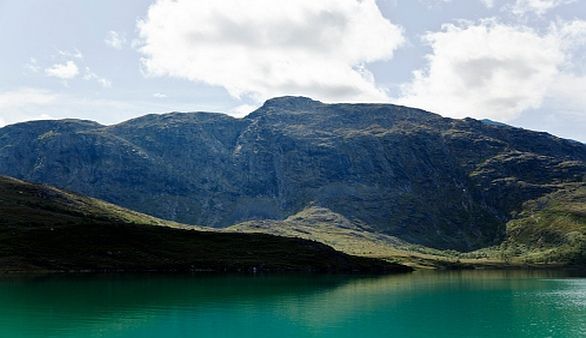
(409,173)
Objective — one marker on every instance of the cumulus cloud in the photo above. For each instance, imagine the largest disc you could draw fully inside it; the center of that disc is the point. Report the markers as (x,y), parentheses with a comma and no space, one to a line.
(487,69)
(64,71)
(537,7)
(115,40)
(488,3)
(265,48)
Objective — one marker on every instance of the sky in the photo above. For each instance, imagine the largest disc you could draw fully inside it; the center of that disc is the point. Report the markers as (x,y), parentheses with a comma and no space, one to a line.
(521,62)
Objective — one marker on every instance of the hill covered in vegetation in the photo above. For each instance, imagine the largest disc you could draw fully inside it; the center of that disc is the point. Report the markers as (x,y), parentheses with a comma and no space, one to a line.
(45,229)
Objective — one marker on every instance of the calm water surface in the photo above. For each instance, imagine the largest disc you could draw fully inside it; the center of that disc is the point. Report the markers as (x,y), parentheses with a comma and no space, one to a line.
(430,304)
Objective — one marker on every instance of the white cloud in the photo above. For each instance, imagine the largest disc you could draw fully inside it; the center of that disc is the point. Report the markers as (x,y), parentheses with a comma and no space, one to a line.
(563,111)
(14,98)
(265,48)
(27,104)
(89,75)
(243,110)
(537,7)
(115,40)
(160,95)
(572,35)
(64,71)
(567,91)
(24,104)
(487,70)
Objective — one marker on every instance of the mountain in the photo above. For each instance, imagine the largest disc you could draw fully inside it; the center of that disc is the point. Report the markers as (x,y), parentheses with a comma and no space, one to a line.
(45,229)
(404,172)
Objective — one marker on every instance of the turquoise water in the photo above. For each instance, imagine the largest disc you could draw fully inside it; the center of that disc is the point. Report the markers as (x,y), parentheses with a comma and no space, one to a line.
(430,304)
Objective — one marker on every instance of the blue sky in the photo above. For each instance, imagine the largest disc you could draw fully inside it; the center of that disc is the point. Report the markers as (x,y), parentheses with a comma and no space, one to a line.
(522,62)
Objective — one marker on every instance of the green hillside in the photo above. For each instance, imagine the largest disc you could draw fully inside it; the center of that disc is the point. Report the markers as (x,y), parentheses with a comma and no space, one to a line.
(549,232)
(550,229)
(45,229)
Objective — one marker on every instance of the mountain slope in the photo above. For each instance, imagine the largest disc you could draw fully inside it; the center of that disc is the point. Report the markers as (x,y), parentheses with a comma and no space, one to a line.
(444,183)
(23,204)
(550,229)
(352,237)
(333,229)
(45,229)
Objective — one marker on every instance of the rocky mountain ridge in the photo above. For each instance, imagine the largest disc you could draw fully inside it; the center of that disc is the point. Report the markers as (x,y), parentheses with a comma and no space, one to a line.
(408,173)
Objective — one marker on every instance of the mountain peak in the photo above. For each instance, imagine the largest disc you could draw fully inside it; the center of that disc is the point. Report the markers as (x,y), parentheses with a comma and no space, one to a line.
(64,125)
(285,103)
(290,101)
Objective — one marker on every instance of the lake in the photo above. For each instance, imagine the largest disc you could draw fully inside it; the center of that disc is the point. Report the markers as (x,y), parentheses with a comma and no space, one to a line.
(421,304)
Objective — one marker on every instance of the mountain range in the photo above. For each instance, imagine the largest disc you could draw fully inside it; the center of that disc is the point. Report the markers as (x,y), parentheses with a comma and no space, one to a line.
(397,174)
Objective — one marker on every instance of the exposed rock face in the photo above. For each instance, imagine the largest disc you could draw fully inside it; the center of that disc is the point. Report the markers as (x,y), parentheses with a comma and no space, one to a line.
(409,173)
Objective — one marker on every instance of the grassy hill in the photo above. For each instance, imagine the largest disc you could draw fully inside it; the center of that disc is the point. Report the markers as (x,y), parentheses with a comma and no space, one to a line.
(28,205)
(550,229)
(352,237)
(45,229)
(549,232)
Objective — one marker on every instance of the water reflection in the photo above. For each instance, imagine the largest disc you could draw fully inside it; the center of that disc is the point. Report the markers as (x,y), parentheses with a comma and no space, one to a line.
(422,304)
